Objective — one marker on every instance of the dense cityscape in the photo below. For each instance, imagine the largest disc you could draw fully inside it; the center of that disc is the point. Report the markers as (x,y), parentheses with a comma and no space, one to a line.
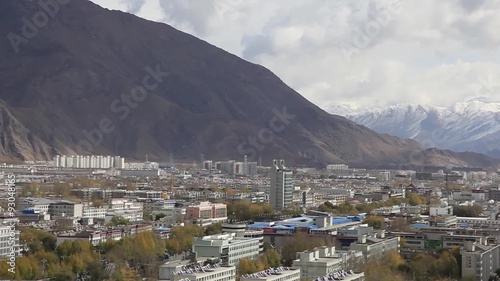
(256,140)
(230,220)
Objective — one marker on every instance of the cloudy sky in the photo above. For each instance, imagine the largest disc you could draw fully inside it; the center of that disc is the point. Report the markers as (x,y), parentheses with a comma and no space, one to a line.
(361,52)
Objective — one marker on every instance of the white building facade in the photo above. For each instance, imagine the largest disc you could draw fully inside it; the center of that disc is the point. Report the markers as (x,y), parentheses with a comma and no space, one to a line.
(227,247)
(281,189)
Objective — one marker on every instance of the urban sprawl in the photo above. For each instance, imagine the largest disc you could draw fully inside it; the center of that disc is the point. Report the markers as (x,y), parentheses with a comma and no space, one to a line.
(105,218)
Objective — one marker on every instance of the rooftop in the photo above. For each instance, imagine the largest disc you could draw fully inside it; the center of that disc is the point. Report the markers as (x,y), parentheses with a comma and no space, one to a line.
(340,275)
(270,272)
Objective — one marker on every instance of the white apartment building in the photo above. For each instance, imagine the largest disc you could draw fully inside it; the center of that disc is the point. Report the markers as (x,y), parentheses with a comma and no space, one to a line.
(273,274)
(227,247)
(88,161)
(372,247)
(185,271)
(131,210)
(66,209)
(337,167)
(9,242)
(131,215)
(443,210)
(94,212)
(322,262)
(125,204)
(281,189)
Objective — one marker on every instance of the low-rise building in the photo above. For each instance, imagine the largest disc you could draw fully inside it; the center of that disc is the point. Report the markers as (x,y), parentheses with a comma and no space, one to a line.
(227,247)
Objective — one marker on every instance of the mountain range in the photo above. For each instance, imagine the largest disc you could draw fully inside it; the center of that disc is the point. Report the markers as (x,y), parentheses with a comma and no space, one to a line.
(466,126)
(76,78)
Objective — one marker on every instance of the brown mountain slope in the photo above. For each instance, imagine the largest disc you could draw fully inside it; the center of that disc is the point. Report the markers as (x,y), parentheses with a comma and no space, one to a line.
(70,84)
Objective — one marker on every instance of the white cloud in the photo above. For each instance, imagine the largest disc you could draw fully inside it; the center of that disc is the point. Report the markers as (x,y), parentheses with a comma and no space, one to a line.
(427,51)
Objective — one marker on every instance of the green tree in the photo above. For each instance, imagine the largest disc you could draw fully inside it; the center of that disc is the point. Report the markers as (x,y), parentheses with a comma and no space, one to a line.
(467,211)
(374,221)
(414,199)
(215,228)
(119,220)
(301,242)
(273,258)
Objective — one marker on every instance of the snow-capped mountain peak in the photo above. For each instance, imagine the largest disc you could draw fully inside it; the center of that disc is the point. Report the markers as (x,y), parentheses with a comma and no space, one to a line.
(465,126)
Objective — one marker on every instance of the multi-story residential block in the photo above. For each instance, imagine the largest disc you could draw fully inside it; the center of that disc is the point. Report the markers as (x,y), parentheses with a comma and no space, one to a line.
(475,195)
(226,167)
(94,212)
(240,230)
(148,194)
(93,193)
(208,165)
(443,238)
(157,205)
(65,209)
(206,213)
(245,168)
(130,215)
(188,271)
(410,210)
(337,167)
(344,193)
(227,247)
(88,161)
(281,188)
(322,262)
(99,236)
(375,246)
(479,260)
(443,221)
(274,274)
(125,204)
(494,193)
(9,242)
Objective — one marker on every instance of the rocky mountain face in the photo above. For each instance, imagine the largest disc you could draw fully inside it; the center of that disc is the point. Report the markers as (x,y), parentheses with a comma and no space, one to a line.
(77,78)
(466,126)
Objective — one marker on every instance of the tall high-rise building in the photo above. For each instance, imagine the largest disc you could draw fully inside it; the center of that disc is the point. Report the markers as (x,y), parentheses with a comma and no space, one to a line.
(281,189)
